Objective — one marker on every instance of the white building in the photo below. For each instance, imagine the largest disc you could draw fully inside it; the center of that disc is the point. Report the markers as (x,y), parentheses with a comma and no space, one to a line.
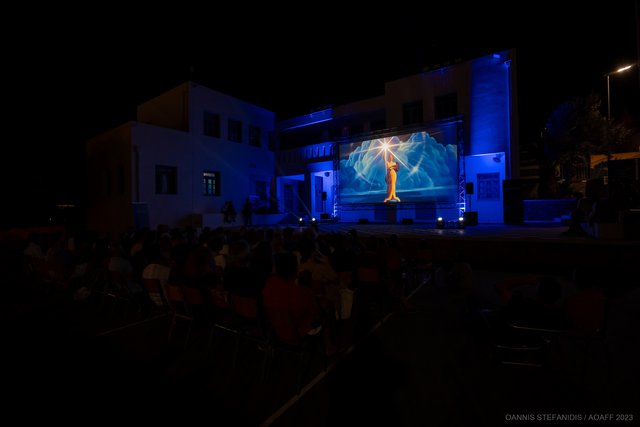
(190,150)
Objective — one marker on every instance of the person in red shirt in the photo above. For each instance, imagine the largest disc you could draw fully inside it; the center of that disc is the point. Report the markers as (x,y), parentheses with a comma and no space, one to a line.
(586,307)
(291,310)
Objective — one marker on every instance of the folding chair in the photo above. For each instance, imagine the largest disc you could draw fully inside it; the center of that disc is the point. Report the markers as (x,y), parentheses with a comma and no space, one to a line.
(179,310)
(303,348)
(245,323)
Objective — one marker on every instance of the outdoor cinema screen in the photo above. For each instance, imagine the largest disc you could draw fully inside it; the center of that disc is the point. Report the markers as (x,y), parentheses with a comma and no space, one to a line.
(412,167)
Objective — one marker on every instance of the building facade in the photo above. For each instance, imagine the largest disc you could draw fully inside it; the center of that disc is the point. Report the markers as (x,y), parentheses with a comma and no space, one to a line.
(190,150)
(193,148)
(478,96)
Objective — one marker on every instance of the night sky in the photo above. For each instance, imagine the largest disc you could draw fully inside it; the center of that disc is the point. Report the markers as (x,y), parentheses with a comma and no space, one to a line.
(70,79)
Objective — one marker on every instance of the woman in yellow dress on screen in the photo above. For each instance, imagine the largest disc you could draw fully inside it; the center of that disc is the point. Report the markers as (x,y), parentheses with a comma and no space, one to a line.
(391,178)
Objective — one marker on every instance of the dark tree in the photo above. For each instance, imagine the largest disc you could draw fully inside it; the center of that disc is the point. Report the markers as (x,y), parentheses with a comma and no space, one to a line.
(573,132)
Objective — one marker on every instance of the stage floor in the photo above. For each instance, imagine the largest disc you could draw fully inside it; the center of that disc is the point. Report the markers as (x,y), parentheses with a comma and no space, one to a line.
(506,246)
(548,232)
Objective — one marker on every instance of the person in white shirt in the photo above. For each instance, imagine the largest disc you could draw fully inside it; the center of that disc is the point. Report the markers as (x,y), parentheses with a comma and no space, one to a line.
(34,249)
(160,270)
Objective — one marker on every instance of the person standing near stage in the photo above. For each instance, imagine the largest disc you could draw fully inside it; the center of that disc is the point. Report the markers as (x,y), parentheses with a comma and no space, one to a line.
(247,212)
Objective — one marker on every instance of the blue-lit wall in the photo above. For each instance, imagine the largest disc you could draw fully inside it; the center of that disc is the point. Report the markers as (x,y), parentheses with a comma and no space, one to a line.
(487,202)
(490,105)
(490,127)
(486,102)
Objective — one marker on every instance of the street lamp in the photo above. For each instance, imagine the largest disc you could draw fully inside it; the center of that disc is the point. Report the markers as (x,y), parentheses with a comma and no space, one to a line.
(619,70)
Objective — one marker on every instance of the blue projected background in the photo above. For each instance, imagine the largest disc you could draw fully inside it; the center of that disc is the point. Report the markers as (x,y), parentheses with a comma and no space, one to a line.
(428,168)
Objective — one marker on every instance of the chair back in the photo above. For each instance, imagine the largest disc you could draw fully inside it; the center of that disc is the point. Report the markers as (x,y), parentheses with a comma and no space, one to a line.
(504,288)
(152,286)
(245,306)
(193,296)
(179,309)
(155,292)
(118,282)
(368,275)
(176,299)
(393,259)
(345,278)
(219,297)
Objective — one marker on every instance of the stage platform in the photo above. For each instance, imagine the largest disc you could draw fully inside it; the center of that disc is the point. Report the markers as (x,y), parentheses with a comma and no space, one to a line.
(535,248)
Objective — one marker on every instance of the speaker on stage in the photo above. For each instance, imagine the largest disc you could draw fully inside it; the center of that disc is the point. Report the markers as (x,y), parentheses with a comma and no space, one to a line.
(468,187)
(470,218)
(363,221)
(324,216)
(392,213)
(407,221)
(512,198)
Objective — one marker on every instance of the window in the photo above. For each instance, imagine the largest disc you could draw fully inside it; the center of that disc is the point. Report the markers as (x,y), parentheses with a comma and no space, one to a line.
(255,135)
(235,130)
(379,124)
(412,112)
(488,186)
(211,183)
(446,106)
(211,124)
(166,180)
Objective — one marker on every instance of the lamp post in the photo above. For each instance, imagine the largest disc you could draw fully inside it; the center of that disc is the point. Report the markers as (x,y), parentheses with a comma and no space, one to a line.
(619,70)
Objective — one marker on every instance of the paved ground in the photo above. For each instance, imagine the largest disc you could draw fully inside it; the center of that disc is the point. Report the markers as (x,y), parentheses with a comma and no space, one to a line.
(434,366)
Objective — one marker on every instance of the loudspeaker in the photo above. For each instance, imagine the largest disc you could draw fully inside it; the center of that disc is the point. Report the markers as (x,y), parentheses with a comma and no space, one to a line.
(407,221)
(324,196)
(512,198)
(363,221)
(470,218)
(468,187)
(324,216)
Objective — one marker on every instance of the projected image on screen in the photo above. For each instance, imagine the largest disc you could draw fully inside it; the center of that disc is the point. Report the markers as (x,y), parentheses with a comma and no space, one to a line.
(413,167)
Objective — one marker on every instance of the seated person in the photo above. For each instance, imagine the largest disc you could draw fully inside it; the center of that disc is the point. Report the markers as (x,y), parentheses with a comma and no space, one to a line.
(507,287)
(586,307)
(544,311)
(579,216)
(291,309)
(157,269)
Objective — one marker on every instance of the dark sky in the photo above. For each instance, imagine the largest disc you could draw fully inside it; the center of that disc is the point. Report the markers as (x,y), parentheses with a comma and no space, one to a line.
(71,78)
